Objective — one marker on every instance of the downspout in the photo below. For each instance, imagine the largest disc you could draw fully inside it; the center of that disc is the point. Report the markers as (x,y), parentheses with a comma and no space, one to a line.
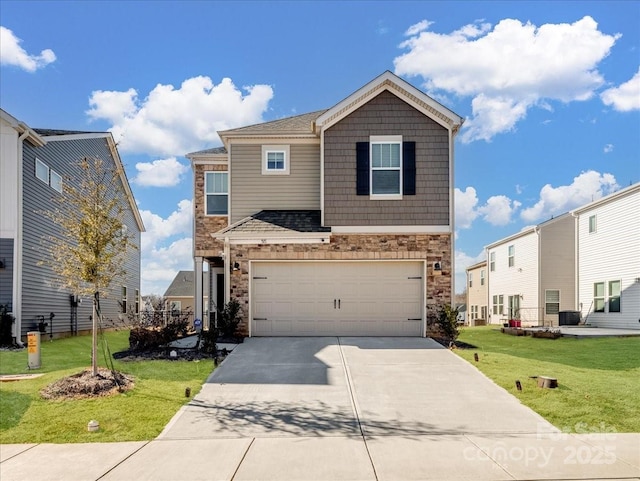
(536,229)
(576,266)
(227,271)
(452,213)
(17,251)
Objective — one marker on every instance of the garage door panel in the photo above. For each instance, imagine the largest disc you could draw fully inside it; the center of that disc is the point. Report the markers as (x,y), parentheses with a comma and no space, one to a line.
(337,298)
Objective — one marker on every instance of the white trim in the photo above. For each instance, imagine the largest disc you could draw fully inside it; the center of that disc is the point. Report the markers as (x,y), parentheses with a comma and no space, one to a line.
(209,162)
(452,216)
(608,198)
(277,149)
(392,229)
(39,162)
(322,178)
(206,194)
(83,136)
(385,139)
(278,240)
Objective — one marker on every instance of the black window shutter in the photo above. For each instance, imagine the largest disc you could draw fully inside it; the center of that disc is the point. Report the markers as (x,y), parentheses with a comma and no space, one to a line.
(408,168)
(362,168)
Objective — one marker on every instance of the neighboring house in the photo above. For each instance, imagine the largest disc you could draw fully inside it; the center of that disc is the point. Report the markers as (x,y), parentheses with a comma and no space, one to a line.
(34,166)
(609,260)
(179,296)
(462,313)
(532,274)
(477,289)
(336,222)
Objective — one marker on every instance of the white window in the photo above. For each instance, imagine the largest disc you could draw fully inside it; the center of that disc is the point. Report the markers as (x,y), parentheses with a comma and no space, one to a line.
(275,160)
(483,312)
(386,166)
(176,308)
(55,180)
(498,304)
(216,193)
(470,279)
(552,301)
(482,277)
(592,224)
(512,255)
(614,296)
(598,297)
(137,301)
(492,263)
(123,303)
(42,171)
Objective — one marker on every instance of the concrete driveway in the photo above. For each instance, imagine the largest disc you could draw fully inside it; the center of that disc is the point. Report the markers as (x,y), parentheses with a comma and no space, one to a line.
(350,409)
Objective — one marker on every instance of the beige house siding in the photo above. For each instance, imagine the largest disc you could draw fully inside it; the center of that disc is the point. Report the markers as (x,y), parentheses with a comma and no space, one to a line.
(477,293)
(251,191)
(432,248)
(205,225)
(386,114)
(557,265)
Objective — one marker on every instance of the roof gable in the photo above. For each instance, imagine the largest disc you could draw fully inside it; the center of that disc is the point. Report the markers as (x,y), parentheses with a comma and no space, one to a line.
(399,87)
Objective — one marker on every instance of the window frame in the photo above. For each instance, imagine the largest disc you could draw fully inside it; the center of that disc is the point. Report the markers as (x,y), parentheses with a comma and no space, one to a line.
(492,261)
(547,302)
(123,301)
(611,297)
(58,184)
(498,304)
(137,304)
(593,224)
(482,277)
(42,165)
(596,297)
(207,193)
(279,149)
(175,308)
(511,255)
(470,279)
(386,140)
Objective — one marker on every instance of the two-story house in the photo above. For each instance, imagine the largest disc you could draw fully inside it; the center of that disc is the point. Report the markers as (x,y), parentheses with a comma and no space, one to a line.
(336,222)
(34,166)
(609,260)
(532,274)
(477,289)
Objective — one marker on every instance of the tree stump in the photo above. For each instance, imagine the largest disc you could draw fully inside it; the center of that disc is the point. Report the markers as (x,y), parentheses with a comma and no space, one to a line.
(547,382)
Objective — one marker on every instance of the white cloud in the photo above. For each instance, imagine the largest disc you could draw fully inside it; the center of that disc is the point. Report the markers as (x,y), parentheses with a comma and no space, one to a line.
(462,261)
(160,173)
(465,207)
(172,121)
(608,148)
(509,69)
(626,97)
(11,53)
(586,187)
(418,27)
(179,222)
(161,265)
(498,210)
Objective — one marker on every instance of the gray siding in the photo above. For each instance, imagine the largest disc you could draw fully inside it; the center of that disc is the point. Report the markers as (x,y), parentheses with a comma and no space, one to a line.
(386,114)
(557,264)
(41,294)
(252,192)
(6,274)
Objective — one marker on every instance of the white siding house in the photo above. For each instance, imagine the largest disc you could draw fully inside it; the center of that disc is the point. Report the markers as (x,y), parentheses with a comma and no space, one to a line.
(532,274)
(609,260)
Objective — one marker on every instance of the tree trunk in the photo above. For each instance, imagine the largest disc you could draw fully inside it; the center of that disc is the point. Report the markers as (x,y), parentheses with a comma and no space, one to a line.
(94,337)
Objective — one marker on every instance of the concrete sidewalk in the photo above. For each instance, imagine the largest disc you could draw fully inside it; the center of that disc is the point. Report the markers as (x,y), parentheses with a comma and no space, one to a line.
(341,409)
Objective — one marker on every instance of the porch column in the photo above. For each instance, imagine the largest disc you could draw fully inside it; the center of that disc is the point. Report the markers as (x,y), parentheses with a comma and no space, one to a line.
(198,288)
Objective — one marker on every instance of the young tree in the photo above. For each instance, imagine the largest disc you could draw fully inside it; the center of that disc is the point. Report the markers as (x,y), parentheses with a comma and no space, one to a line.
(89,253)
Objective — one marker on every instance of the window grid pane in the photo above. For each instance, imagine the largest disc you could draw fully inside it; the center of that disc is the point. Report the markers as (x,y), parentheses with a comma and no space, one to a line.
(42,171)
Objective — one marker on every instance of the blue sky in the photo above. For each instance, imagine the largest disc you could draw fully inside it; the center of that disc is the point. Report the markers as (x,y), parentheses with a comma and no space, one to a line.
(550,92)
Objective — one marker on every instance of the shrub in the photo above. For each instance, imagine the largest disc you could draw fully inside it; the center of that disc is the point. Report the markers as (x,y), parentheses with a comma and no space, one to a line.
(228,319)
(443,322)
(208,341)
(151,338)
(6,322)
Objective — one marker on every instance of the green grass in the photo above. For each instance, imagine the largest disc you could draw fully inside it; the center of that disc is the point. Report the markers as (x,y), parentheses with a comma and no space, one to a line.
(598,379)
(139,414)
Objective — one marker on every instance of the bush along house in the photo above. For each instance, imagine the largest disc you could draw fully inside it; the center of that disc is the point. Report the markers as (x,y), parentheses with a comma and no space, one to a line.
(335,222)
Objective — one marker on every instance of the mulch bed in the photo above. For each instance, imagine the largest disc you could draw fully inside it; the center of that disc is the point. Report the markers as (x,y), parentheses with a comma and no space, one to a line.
(85,385)
(453,344)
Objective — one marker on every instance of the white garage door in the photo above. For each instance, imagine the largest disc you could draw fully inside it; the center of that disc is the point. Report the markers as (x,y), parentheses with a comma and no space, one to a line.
(337,298)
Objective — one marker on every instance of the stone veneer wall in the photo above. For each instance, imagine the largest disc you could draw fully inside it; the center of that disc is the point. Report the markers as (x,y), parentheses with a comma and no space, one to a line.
(205,245)
(429,247)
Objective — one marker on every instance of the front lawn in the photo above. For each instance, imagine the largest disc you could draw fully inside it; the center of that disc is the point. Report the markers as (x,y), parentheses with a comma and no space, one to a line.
(135,415)
(598,379)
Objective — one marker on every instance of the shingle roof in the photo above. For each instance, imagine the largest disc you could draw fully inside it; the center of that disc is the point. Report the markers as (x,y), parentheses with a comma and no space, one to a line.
(298,124)
(214,150)
(183,285)
(50,132)
(275,221)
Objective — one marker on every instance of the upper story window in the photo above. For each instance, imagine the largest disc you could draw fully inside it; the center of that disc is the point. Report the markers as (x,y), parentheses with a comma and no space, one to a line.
(492,261)
(512,255)
(592,224)
(470,279)
(386,166)
(482,277)
(48,175)
(275,160)
(216,193)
